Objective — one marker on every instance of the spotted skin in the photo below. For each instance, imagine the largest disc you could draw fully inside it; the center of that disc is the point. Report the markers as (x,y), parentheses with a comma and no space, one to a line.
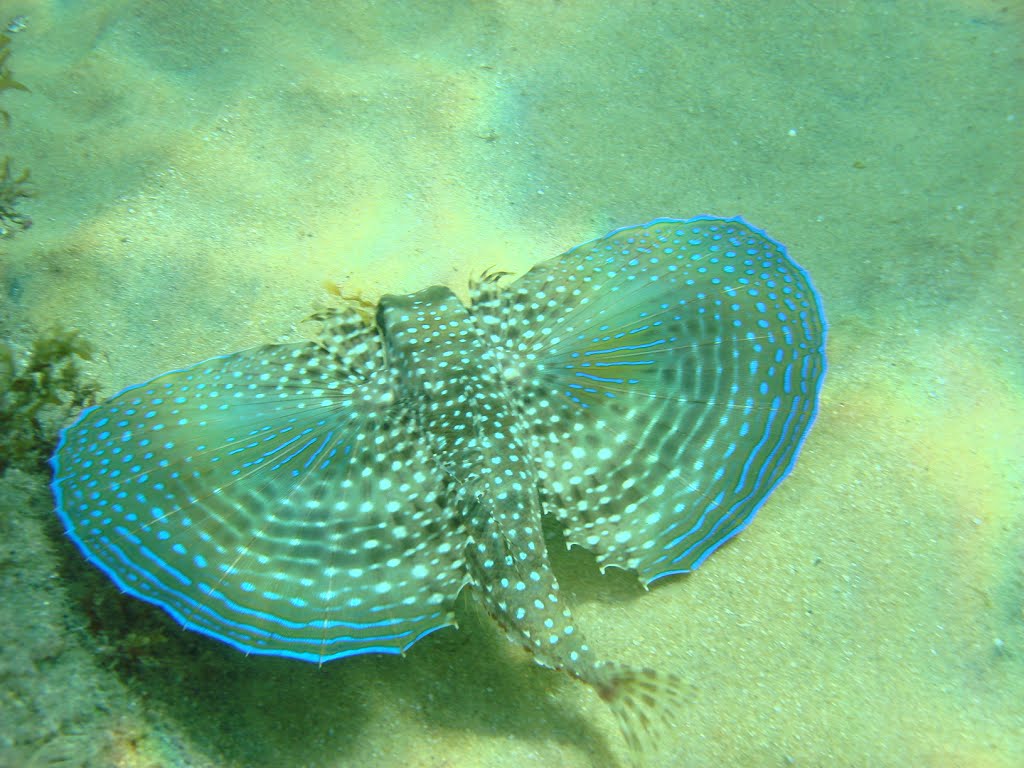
(322,499)
(668,374)
(465,413)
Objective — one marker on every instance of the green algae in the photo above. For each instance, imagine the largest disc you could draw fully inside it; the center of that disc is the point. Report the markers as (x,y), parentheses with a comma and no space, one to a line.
(37,395)
(12,189)
(7,81)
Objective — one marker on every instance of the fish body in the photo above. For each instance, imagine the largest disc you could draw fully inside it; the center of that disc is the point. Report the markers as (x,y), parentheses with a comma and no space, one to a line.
(333,497)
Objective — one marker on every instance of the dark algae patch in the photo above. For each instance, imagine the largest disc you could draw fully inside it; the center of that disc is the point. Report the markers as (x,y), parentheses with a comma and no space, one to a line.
(37,395)
(13,187)
(7,81)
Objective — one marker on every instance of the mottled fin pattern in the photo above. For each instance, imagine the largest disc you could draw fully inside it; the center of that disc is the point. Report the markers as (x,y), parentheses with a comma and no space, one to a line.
(329,498)
(670,373)
(278,499)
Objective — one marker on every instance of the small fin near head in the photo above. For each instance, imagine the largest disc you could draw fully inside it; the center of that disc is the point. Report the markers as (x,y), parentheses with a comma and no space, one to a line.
(352,302)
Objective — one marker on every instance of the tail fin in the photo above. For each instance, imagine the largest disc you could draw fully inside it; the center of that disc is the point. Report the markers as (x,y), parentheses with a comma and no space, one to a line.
(644,702)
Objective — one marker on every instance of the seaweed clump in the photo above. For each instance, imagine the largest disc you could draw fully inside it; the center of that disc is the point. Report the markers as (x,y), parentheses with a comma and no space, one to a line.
(12,189)
(37,396)
(7,81)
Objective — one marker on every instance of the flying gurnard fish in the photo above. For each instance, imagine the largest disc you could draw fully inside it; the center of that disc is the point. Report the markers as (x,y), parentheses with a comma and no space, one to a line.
(333,497)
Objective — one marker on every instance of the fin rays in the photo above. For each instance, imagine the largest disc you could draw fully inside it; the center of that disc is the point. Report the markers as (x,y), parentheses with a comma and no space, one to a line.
(286,500)
(684,375)
(244,511)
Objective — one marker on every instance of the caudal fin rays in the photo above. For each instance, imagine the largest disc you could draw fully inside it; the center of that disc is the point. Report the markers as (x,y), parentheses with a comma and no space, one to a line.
(647,706)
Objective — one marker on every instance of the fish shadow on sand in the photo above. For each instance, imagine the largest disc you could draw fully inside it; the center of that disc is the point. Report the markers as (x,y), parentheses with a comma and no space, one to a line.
(265,711)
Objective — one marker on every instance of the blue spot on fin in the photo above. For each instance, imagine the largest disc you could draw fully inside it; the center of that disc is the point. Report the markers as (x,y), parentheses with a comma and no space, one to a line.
(267,519)
(684,371)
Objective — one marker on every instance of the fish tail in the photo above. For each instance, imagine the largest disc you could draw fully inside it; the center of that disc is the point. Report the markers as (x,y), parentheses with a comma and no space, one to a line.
(644,702)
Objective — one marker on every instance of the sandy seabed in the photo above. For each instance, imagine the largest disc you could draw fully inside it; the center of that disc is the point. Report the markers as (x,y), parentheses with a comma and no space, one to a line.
(208,173)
